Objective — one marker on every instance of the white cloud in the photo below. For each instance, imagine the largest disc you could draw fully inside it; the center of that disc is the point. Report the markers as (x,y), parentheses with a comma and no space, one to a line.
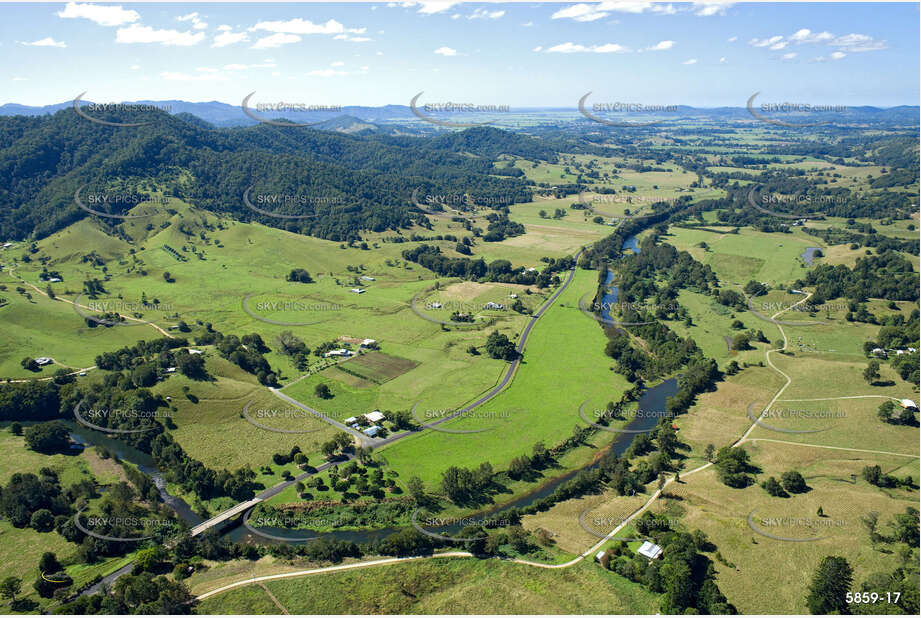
(338,63)
(136,33)
(858,43)
(135,67)
(848,43)
(484,14)
(427,7)
(225,38)
(765,42)
(732,39)
(592,12)
(103,15)
(305,26)
(708,9)
(661,46)
(197,23)
(690,61)
(276,40)
(446,51)
(20,79)
(789,56)
(538,48)
(224,28)
(583,12)
(664,9)
(837,55)
(724,61)
(527,24)
(207,70)
(573,48)
(46,42)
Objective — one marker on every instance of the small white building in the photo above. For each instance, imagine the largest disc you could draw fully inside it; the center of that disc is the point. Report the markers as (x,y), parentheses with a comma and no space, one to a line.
(372,431)
(436,305)
(878,352)
(194,351)
(41,361)
(7,245)
(492,305)
(649,550)
(170,370)
(367,342)
(375,417)
(599,556)
(908,403)
(358,291)
(367,278)
(513,295)
(341,352)
(54,280)
(351,420)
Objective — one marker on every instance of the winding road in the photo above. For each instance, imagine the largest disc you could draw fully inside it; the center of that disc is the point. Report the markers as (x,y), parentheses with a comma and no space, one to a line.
(597,546)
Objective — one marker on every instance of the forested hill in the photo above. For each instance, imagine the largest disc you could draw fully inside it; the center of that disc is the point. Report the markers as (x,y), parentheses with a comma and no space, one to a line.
(359,182)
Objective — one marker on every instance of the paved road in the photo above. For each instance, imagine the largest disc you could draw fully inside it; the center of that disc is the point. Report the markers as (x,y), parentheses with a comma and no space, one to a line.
(513,366)
(587,553)
(362,438)
(366,441)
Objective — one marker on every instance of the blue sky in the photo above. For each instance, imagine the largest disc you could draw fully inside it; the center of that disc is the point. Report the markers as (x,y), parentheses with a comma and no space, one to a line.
(518,54)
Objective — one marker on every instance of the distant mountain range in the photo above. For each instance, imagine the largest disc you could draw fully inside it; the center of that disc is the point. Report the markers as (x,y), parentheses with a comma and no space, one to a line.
(359,119)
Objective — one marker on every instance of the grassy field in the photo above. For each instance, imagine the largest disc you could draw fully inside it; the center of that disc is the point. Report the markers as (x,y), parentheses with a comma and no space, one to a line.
(43,327)
(456,586)
(15,457)
(711,328)
(781,570)
(21,548)
(738,258)
(539,404)
(211,426)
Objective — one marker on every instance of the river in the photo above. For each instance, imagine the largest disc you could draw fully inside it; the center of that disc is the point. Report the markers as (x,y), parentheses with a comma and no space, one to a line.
(652,399)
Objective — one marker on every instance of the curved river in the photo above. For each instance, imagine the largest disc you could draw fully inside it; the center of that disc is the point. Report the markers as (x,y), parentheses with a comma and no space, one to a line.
(653,398)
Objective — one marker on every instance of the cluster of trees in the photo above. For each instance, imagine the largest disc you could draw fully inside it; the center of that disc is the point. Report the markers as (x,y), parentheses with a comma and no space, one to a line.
(130,357)
(48,438)
(291,345)
(685,577)
(734,467)
(887,414)
(791,482)
(499,346)
(501,271)
(30,500)
(500,228)
(874,475)
(466,486)
(300,275)
(246,353)
(889,276)
(341,442)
